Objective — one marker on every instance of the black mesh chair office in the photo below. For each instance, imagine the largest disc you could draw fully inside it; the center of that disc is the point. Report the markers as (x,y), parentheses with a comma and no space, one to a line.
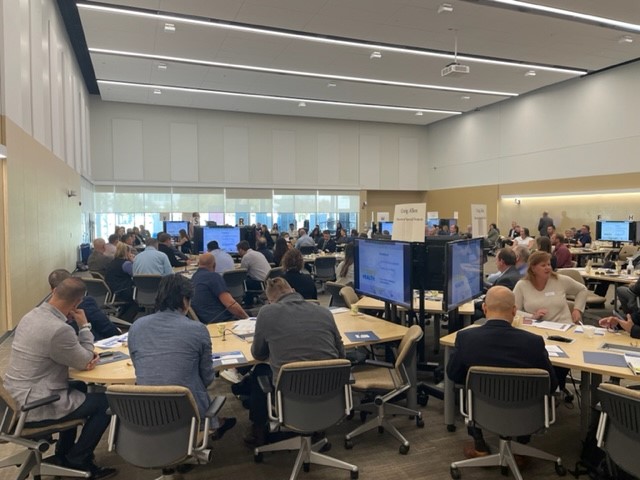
(333,289)
(158,427)
(275,272)
(324,270)
(235,283)
(309,397)
(510,402)
(145,291)
(619,428)
(99,290)
(33,441)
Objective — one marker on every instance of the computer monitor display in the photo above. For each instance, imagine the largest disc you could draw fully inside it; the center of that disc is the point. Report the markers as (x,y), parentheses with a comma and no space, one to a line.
(433,274)
(173,227)
(386,228)
(615,231)
(227,237)
(383,271)
(463,262)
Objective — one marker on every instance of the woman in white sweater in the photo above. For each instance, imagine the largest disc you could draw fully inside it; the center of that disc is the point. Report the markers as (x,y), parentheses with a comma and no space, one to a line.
(543,294)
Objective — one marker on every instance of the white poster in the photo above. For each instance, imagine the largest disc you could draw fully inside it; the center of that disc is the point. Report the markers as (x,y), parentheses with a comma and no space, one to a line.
(408,222)
(383,216)
(479,220)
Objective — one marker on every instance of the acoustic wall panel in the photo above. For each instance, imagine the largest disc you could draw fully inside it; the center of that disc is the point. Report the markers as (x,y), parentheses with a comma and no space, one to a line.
(184,152)
(127,149)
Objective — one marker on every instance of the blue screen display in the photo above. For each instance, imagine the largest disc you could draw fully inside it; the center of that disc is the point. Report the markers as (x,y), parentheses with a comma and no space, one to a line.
(464,269)
(227,237)
(173,228)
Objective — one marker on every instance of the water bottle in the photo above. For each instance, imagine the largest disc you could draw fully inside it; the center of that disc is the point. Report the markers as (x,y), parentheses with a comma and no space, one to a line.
(629,266)
(589,266)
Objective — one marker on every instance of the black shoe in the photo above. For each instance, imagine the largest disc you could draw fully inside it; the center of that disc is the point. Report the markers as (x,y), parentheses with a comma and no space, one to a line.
(225,426)
(100,473)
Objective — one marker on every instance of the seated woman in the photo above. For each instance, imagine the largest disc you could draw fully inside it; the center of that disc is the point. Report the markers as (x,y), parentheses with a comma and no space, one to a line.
(344,270)
(543,244)
(118,276)
(524,239)
(282,246)
(302,283)
(184,242)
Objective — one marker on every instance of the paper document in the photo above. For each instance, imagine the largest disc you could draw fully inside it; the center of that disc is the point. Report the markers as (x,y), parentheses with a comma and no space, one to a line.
(115,341)
(634,363)
(558,327)
(555,351)
(243,327)
(228,358)
(598,331)
(336,310)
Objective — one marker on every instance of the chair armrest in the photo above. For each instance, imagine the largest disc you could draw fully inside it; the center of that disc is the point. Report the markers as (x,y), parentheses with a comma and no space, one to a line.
(265,383)
(378,363)
(352,379)
(39,403)
(215,406)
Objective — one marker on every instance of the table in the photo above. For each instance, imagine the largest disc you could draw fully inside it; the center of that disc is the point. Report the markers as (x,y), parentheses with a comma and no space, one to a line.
(122,372)
(311,258)
(591,374)
(582,253)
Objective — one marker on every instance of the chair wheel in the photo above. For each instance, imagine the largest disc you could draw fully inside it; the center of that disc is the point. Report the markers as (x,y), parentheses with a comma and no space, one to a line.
(306,466)
(354,475)
(504,470)
(455,473)
(258,457)
(423,399)
(451,428)
(404,449)
(419,422)
(348,444)
(560,470)
(380,429)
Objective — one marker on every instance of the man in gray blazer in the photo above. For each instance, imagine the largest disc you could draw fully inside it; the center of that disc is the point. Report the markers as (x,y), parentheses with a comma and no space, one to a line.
(43,349)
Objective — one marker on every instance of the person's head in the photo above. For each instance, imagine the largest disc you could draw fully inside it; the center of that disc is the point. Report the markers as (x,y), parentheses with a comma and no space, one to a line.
(261,243)
(492,226)
(241,222)
(164,238)
(182,233)
(505,259)
(291,226)
(68,294)
(568,233)
(195,215)
(212,245)
(136,231)
(500,302)
(57,276)
(354,232)
(557,239)
(455,230)
(551,229)
(543,244)
(522,255)
(122,251)
(243,247)
(207,261)
(174,293)
(264,229)
(277,288)
(127,238)
(114,238)
(275,227)
(539,266)
(152,242)
(585,229)
(513,224)
(99,245)
(281,245)
(326,234)
(301,232)
(120,231)
(545,214)
(524,232)
(292,260)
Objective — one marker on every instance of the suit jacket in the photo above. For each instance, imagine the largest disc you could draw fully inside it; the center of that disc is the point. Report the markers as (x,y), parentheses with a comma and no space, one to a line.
(172,254)
(509,278)
(43,349)
(498,344)
(328,245)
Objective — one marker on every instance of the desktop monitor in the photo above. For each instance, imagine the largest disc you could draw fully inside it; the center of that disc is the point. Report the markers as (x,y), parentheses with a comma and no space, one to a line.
(386,228)
(173,227)
(433,273)
(463,271)
(227,238)
(615,231)
(383,271)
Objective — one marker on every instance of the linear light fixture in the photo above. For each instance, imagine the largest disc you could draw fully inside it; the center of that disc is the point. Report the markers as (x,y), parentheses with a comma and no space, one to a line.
(559,195)
(296,100)
(214,23)
(561,13)
(253,68)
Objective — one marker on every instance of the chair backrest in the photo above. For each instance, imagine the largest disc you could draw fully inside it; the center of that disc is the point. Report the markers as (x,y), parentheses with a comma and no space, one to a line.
(308,250)
(146,289)
(276,272)
(349,295)
(334,290)
(314,395)
(97,275)
(508,401)
(235,283)
(620,434)
(626,252)
(99,290)
(407,348)
(154,423)
(325,267)
(574,274)
(8,411)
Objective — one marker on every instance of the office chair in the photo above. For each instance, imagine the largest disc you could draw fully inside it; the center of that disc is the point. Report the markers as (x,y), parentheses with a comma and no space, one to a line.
(619,427)
(324,270)
(626,252)
(388,382)
(275,272)
(235,283)
(510,402)
(99,290)
(334,290)
(35,441)
(145,291)
(349,295)
(592,298)
(309,397)
(158,427)
(97,275)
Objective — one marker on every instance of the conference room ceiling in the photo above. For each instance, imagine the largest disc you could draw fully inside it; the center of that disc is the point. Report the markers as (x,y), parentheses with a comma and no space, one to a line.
(210,58)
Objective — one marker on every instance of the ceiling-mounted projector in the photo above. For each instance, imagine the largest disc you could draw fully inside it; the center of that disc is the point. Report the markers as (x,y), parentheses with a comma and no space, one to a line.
(455,70)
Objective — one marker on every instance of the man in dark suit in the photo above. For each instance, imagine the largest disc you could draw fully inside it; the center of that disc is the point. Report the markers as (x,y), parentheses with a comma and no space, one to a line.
(496,344)
(326,243)
(164,245)
(506,263)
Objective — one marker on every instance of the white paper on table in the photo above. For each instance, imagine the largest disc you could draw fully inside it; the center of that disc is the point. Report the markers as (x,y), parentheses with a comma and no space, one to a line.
(115,341)
(245,326)
(228,361)
(337,310)
(598,330)
(558,327)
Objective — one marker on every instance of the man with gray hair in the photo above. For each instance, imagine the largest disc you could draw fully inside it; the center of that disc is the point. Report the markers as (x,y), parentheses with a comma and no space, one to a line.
(151,261)
(522,258)
(98,260)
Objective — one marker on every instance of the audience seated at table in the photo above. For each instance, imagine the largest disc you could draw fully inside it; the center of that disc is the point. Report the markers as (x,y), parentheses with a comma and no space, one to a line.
(304,240)
(119,278)
(224,261)
(151,261)
(257,269)
(326,243)
(584,238)
(303,283)
(543,244)
(176,259)
(261,247)
(98,260)
(282,246)
(524,239)
(561,253)
(344,270)
(184,242)
(110,247)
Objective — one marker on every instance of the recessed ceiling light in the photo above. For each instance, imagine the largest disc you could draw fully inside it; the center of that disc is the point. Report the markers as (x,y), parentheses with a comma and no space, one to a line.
(157,91)
(375,55)
(302,104)
(465,97)
(625,39)
(445,8)
(162,66)
(331,84)
(169,27)
(530,73)
(419,114)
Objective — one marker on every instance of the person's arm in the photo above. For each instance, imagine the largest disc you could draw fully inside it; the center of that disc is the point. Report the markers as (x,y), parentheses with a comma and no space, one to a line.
(207,373)
(260,346)
(230,304)
(456,369)
(101,326)
(71,350)
(338,339)
(166,266)
(571,287)
(127,267)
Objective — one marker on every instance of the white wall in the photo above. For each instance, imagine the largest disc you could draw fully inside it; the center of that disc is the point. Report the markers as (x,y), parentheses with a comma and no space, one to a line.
(137,144)
(583,127)
(43,91)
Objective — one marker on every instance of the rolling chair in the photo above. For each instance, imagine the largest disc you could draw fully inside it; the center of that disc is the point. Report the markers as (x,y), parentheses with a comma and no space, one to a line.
(35,441)
(309,397)
(324,270)
(334,290)
(234,280)
(592,298)
(157,427)
(99,290)
(349,295)
(510,402)
(388,382)
(145,291)
(619,428)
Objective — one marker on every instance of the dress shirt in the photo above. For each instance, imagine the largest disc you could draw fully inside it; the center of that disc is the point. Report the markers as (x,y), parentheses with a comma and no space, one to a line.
(224,261)
(151,262)
(257,266)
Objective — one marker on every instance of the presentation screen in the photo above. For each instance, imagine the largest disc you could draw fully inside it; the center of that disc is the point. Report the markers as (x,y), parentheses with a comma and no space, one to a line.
(463,265)
(173,228)
(614,231)
(383,271)
(386,228)
(227,237)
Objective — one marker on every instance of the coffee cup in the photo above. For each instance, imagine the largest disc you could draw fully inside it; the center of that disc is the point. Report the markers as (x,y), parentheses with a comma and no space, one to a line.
(589,331)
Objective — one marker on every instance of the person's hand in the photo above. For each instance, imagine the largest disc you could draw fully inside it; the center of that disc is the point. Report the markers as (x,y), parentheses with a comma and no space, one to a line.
(626,324)
(540,313)
(93,362)
(78,315)
(608,322)
(576,316)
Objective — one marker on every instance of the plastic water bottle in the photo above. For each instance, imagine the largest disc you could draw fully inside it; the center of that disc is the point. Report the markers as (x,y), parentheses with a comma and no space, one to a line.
(629,266)
(589,266)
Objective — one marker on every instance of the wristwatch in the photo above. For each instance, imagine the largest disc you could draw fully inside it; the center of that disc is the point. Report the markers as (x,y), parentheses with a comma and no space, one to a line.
(86,326)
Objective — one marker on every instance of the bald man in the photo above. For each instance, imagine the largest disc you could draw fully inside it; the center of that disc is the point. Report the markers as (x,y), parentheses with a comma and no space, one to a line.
(211,300)
(98,260)
(496,344)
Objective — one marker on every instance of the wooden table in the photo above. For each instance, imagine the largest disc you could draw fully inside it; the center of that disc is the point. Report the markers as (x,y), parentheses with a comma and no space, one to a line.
(123,372)
(591,374)
(581,253)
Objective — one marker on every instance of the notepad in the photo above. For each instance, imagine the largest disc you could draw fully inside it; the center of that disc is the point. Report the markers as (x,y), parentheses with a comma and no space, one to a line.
(556,351)
(598,330)
(559,327)
(633,362)
(228,358)
(363,336)
(604,358)
(111,342)
(116,357)
(245,327)
(336,310)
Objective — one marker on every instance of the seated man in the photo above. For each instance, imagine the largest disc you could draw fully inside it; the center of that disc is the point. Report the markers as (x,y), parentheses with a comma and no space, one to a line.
(164,245)
(101,326)
(304,240)
(261,247)
(224,261)
(630,324)
(584,237)
(257,268)
(496,344)
(43,349)
(561,252)
(628,296)
(110,248)
(507,275)
(284,330)
(326,243)
(98,261)
(212,302)
(167,348)
(151,261)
